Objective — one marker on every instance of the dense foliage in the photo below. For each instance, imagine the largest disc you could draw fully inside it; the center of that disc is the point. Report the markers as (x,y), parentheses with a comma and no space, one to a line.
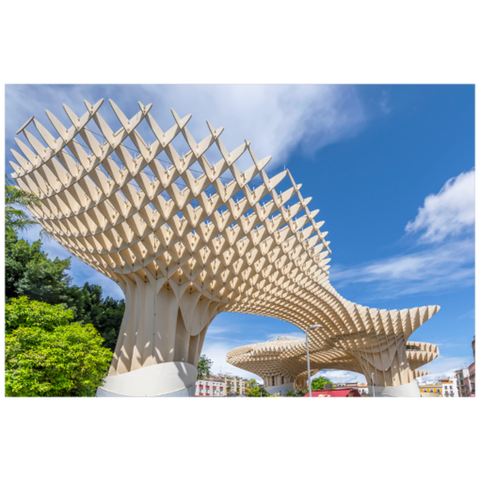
(254,390)
(47,356)
(30,272)
(59,337)
(203,367)
(104,314)
(22,312)
(320,382)
(296,393)
(15,217)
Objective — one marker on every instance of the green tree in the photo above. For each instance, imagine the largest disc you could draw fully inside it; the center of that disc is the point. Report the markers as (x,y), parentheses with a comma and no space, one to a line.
(203,367)
(254,390)
(104,314)
(29,272)
(15,216)
(320,382)
(46,356)
(22,312)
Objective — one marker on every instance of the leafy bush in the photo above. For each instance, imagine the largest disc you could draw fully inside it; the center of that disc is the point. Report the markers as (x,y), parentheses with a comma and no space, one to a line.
(44,356)
(319,383)
(26,313)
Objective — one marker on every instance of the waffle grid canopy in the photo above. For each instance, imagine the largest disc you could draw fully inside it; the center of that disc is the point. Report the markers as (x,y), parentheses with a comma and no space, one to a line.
(186,238)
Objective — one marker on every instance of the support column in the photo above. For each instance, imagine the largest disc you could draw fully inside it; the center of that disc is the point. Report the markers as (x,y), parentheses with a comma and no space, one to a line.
(392,374)
(160,340)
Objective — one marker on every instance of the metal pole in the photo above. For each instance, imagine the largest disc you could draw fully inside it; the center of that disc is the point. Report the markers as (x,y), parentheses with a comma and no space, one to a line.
(308,359)
(373,385)
(308,369)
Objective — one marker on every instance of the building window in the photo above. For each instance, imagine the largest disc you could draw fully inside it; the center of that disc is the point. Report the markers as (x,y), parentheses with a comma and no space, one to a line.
(273,381)
(282,381)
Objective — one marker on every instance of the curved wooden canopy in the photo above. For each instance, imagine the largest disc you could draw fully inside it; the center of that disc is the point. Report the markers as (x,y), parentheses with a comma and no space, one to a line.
(218,237)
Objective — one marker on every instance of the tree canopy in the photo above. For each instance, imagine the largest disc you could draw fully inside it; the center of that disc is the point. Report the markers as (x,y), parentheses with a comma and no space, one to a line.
(254,390)
(15,216)
(203,367)
(30,272)
(320,382)
(47,356)
(59,338)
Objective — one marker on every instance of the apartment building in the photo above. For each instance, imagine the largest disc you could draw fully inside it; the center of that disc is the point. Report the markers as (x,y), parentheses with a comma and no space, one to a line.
(471,371)
(221,385)
(433,389)
(463,381)
(450,388)
(210,387)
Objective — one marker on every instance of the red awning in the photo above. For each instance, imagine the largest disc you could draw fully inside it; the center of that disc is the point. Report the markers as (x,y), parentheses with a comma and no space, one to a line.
(339,392)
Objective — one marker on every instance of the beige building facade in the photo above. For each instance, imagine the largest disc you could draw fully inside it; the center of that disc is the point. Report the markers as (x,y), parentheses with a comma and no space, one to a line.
(442,387)
(471,370)
(463,382)
(221,386)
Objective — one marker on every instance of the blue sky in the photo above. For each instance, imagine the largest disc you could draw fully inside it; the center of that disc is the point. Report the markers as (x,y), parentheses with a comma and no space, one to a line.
(389,166)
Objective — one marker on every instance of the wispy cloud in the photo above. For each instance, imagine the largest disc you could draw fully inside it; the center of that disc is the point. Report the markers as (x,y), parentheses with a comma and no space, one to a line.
(442,267)
(274,118)
(441,367)
(217,351)
(449,213)
(292,335)
(445,251)
(341,376)
(385,102)
(444,366)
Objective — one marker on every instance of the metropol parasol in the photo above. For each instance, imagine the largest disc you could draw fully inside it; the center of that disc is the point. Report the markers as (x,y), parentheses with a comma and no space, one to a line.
(187,238)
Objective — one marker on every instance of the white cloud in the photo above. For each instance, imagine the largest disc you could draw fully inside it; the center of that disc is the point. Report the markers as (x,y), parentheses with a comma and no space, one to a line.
(274,118)
(293,335)
(217,351)
(441,267)
(443,367)
(341,376)
(385,102)
(449,212)
(447,263)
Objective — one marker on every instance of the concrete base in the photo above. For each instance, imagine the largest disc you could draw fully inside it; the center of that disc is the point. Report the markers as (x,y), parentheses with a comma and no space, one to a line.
(283,389)
(408,390)
(171,379)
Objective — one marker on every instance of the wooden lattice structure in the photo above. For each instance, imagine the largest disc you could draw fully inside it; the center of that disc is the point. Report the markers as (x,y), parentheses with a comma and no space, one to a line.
(187,238)
(284,361)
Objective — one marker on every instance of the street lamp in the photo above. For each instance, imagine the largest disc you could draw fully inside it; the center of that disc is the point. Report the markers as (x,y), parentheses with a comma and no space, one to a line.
(308,358)
(373,385)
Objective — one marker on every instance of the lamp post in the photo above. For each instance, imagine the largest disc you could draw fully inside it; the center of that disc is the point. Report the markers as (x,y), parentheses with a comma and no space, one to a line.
(308,359)
(373,385)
